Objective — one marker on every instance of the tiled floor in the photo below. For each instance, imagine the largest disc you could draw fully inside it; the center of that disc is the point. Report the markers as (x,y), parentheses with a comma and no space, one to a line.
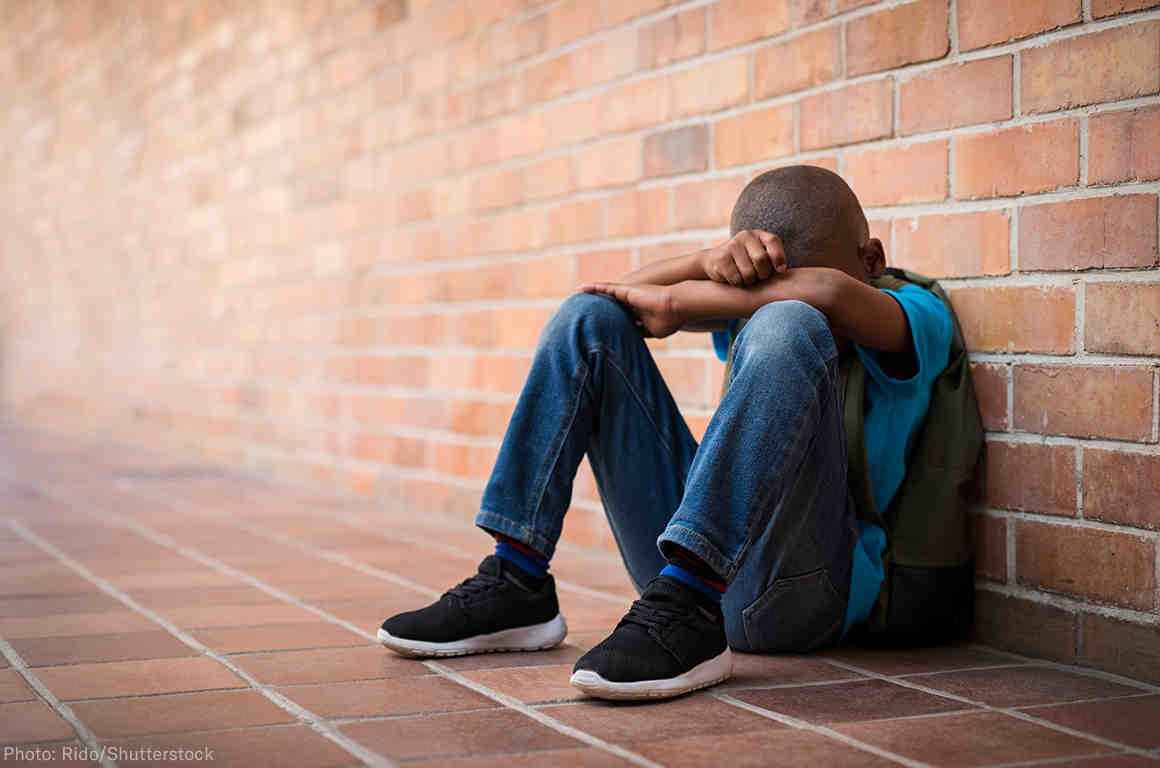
(151,605)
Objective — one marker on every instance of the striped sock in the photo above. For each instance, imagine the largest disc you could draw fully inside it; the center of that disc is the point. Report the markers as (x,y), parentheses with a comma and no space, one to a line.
(711,589)
(521,555)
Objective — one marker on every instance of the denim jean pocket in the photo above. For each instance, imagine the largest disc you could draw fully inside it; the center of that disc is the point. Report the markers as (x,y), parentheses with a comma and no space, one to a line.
(795,614)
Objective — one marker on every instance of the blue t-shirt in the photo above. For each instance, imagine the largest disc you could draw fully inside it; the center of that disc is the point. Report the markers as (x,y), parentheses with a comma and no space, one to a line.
(895,409)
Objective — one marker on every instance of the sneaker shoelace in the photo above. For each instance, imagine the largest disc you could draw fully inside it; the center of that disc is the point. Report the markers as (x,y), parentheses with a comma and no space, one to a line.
(475,585)
(653,614)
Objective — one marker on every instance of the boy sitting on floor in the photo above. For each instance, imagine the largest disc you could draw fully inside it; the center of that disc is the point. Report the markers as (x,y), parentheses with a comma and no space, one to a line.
(749,540)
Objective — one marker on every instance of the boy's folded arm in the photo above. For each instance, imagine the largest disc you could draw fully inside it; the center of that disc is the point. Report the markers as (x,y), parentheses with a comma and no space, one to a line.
(855,310)
(677,269)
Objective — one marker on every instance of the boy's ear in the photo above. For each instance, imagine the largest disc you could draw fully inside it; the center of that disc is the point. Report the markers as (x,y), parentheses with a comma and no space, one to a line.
(873,257)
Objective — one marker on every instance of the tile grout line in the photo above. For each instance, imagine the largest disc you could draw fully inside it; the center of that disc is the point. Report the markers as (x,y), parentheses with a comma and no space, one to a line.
(318,724)
(87,737)
(821,730)
(1008,711)
(506,701)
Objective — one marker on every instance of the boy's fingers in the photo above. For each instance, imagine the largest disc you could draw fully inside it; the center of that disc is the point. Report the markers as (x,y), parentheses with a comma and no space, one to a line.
(756,257)
(776,251)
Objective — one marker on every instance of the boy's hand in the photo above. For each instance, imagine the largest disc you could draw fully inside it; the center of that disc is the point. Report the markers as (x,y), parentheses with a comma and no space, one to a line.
(653,305)
(748,257)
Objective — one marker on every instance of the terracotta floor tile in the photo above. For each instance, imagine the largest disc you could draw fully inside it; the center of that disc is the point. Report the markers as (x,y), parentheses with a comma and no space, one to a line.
(970,739)
(848,702)
(40,578)
(531,685)
(161,599)
(758,749)
(556,758)
(77,649)
(13,688)
(210,616)
(137,678)
(103,623)
(375,698)
(251,747)
(589,614)
(328,665)
(458,734)
(31,721)
(42,605)
(112,718)
(696,715)
(277,637)
(360,587)
(183,579)
(1022,686)
(365,613)
(1135,722)
(1112,761)
(908,661)
(754,670)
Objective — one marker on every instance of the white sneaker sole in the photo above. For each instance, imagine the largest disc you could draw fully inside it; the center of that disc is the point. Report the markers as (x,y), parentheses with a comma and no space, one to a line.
(536,637)
(711,672)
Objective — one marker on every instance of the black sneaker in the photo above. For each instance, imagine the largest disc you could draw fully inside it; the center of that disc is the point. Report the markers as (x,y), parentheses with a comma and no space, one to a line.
(671,641)
(501,608)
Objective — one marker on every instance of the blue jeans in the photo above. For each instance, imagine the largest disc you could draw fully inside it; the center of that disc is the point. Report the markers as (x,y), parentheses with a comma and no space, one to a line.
(763,501)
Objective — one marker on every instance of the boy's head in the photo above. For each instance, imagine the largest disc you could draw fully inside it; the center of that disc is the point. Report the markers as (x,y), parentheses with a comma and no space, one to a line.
(816,215)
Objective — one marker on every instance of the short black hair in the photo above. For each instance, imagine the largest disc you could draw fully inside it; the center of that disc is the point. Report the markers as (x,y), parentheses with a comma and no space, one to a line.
(812,210)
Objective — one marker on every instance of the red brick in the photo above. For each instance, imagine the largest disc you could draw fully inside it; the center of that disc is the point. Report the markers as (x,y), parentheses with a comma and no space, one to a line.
(956,95)
(953,244)
(732,22)
(1122,487)
(1096,564)
(638,212)
(855,113)
(1015,161)
(705,204)
(630,106)
(1124,146)
(986,22)
(914,173)
(991,391)
(1084,401)
(1049,489)
(499,189)
(709,87)
(1093,233)
(990,535)
(677,150)
(1017,318)
(891,38)
(611,163)
(576,221)
(1102,8)
(602,265)
(672,38)
(753,136)
(803,62)
(1024,626)
(1122,318)
(1127,649)
(1106,66)
(548,178)
(570,20)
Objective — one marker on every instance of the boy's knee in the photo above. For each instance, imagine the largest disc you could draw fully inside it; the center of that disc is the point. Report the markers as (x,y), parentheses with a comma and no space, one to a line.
(589,316)
(786,327)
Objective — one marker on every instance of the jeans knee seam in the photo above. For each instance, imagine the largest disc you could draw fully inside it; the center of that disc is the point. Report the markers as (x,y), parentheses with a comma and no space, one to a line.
(542,480)
(646,408)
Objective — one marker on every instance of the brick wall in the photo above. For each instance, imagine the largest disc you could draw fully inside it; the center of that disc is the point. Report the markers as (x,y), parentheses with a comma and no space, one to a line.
(317,239)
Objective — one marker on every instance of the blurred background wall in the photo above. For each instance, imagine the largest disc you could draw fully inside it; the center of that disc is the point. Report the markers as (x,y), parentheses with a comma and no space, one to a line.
(316,239)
